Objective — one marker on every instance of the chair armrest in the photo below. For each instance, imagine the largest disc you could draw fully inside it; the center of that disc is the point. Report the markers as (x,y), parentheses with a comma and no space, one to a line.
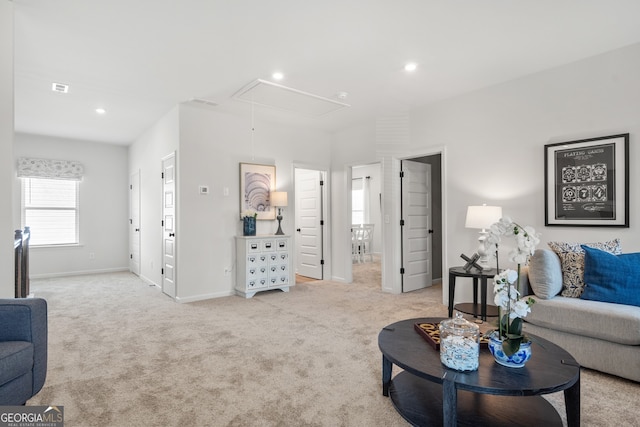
(25,319)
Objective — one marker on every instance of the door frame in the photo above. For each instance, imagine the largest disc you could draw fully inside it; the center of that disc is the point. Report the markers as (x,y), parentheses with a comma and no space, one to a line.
(325,194)
(404,167)
(137,236)
(173,154)
(391,240)
(349,177)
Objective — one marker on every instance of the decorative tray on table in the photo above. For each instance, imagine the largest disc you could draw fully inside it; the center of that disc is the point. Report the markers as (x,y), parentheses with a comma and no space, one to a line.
(431,333)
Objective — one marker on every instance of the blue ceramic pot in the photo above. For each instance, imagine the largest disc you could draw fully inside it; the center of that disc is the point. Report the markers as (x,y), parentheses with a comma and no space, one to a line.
(249,226)
(516,360)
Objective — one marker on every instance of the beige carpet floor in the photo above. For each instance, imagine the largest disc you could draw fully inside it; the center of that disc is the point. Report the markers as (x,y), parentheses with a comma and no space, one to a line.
(123,354)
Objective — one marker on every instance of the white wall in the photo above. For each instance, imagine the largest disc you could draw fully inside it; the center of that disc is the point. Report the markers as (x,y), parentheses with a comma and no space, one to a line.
(145,156)
(6,149)
(104,206)
(213,145)
(210,146)
(494,141)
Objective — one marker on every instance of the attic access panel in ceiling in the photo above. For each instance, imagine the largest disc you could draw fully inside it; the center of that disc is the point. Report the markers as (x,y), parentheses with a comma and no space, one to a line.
(268,94)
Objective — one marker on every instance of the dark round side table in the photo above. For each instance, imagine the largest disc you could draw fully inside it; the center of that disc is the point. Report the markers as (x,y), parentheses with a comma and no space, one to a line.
(476,310)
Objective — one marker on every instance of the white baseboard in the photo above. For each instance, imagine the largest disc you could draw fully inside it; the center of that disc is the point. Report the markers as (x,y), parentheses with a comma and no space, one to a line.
(205,296)
(78,273)
(191,298)
(148,281)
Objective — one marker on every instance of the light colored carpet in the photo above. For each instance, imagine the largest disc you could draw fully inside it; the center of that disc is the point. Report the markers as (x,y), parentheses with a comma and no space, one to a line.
(123,354)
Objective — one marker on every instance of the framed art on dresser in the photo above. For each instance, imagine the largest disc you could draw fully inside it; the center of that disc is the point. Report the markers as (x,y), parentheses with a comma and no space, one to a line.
(256,184)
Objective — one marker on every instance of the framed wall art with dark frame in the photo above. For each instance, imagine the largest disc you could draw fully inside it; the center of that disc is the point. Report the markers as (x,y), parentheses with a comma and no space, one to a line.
(587,182)
(256,184)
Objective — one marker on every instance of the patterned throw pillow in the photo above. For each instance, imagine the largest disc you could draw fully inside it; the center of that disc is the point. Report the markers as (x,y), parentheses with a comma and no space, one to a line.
(572,259)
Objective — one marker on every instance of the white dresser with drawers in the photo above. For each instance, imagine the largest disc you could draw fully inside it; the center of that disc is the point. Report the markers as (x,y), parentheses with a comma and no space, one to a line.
(263,263)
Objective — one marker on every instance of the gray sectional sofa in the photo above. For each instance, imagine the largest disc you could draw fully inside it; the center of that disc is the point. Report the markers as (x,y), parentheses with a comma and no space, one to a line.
(599,335)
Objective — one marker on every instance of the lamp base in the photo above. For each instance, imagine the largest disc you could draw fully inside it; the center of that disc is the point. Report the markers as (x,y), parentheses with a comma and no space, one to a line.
(484,256)
(279,232)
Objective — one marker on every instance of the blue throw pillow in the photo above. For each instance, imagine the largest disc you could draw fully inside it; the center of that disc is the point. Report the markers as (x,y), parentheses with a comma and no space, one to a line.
(611,278)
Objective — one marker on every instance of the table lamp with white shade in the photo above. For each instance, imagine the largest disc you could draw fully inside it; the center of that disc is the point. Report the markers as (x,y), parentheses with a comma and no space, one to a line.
(481,217)
(279,200)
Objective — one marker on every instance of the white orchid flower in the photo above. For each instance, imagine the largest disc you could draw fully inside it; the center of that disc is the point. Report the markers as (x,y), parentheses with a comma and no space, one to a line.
(511,276)
(520,309)
(501,299)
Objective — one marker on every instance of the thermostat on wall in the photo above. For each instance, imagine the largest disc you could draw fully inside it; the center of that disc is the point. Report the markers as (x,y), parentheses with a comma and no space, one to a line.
(204,189)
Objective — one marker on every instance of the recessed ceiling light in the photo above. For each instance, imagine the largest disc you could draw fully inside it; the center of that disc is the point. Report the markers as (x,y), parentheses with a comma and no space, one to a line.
(411,66)
(101,110)
(277,75)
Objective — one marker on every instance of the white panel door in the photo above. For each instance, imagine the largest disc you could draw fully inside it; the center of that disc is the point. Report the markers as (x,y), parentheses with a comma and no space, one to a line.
(134,223)
(308,239)
(169,225)
(416,232)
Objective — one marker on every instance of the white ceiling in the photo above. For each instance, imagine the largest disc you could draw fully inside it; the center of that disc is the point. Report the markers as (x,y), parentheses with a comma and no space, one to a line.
(140,58)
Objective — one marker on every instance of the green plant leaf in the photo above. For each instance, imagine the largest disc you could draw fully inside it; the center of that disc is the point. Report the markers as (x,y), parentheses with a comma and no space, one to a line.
(511,345)
(516,326)
(504,322)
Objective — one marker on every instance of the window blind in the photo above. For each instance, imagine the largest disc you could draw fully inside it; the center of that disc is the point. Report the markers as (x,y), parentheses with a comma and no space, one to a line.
(50,208)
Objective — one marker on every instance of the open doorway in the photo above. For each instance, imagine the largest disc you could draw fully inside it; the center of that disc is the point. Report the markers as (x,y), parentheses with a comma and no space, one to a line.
(421,222)
(310,231)
(366,224)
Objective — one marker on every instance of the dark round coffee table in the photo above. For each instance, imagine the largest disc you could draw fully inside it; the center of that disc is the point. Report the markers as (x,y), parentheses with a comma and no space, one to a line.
(427,393)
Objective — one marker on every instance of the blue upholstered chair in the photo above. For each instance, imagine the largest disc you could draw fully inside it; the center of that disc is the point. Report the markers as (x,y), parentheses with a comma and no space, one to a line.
(23,349)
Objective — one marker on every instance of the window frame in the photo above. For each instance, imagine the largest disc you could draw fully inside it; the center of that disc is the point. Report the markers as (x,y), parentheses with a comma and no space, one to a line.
(23,212)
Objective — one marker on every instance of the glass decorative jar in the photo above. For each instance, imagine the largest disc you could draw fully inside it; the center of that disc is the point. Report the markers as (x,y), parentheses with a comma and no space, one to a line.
(459,344)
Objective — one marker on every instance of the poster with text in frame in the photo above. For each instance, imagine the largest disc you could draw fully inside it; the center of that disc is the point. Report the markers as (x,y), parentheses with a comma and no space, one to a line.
(586,182)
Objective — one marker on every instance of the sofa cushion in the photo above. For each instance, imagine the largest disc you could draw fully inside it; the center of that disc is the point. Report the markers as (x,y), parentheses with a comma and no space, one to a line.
(601,320)
(545,274)
(572,260)
(611,278)
(16,359)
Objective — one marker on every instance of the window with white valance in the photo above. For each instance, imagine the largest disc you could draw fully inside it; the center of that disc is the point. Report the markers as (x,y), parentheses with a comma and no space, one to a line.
(51,169)
(50,200)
